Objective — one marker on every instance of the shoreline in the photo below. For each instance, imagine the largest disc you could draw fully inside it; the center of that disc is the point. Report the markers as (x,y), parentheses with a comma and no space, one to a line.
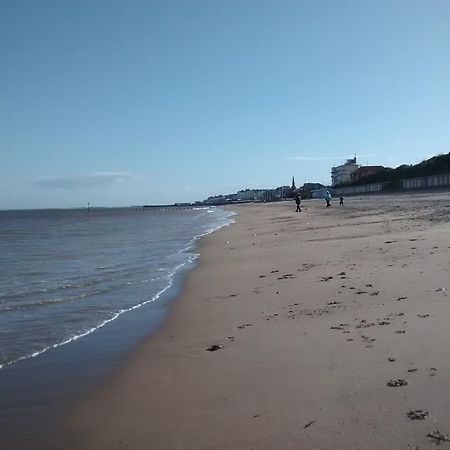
(33,406)
(180,269)
(297,367)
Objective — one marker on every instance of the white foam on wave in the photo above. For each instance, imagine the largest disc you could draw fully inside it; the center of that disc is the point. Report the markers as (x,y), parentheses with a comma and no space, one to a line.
(204,208)
(97,327)
(191,258)
(229,221)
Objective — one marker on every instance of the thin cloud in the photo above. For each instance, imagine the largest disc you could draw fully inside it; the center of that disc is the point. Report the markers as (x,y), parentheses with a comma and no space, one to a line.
(83,181)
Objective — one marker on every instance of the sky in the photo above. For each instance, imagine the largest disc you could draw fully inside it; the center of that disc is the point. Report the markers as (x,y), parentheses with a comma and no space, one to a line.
(135,102)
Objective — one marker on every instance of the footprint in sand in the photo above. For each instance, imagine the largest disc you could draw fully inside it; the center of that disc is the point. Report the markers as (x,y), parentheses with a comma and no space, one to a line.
(341,327)
(287,276)
(364,324)
(417,414)
(271,316)
(241,327)
(326,278)
(437,437)
(384,322)
(397,383)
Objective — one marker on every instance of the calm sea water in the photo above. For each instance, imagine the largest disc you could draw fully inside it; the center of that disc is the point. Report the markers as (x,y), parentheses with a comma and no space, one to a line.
(66,273)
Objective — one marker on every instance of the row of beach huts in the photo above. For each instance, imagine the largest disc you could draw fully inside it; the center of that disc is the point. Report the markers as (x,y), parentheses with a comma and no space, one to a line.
(424,182)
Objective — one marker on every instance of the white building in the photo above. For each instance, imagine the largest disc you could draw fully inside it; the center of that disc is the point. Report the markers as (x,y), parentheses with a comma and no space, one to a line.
(342,174)
(248,195)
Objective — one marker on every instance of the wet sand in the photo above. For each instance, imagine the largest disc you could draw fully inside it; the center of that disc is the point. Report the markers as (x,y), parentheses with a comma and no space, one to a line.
(328,329)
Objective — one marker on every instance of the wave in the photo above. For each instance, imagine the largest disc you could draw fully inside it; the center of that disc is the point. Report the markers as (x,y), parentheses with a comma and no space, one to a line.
(115,316)
(55,301)
(170,279)
(74,283)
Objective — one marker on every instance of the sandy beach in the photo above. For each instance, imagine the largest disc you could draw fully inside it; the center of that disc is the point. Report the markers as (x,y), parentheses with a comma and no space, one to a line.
(332,329)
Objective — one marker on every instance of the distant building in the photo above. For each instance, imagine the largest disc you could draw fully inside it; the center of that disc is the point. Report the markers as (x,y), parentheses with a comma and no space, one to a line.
(248,195)
(342,174)
(365,171)
(215,200)
(254,195)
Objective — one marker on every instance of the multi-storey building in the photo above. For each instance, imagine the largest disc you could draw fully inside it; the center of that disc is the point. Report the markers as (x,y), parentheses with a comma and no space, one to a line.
(342,174)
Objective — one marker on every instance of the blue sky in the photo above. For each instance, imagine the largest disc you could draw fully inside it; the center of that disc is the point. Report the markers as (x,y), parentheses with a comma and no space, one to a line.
(120,103)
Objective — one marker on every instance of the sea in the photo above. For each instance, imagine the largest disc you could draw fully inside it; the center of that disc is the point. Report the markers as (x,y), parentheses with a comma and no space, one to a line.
(80,286)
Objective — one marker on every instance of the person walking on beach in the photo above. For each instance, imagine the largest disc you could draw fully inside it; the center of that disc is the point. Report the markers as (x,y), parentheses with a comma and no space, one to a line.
(298,199)
(341,201)
(328,198)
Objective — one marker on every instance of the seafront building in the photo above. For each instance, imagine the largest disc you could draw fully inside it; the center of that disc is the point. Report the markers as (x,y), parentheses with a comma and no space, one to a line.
(257,195)
(342,174)
(349,179)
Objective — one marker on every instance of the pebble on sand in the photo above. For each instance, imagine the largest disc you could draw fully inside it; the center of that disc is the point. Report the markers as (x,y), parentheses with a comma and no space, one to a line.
(213,348)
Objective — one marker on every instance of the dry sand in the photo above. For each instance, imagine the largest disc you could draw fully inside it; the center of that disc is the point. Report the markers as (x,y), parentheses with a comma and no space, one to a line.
(315,313)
